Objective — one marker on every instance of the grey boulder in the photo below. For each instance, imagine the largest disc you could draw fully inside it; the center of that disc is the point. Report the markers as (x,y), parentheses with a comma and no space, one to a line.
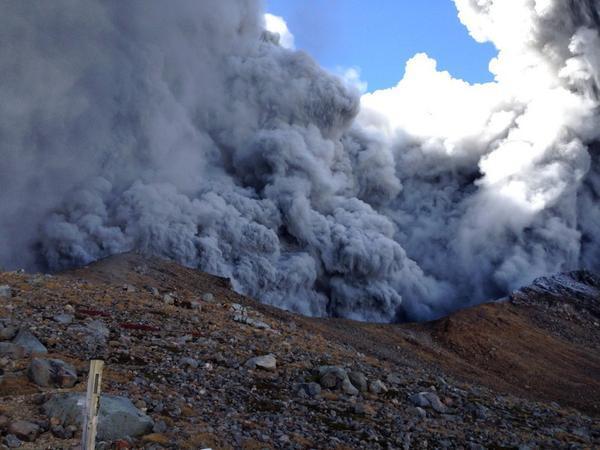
(308,389)
(333,377)
(359,380)
(94,334)
(24,430)
(377,387)
(13,351)
(11,441)
(28,341)
(63,319)
(117,418)
(52,372)
(428,400)
(266,362)
(7,330)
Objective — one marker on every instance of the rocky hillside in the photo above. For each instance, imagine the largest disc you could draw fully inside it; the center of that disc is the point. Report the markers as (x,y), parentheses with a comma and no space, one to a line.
(191,364)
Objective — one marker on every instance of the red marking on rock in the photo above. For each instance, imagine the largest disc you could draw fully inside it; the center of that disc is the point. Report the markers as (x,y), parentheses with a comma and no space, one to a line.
(92,312)
(138,326)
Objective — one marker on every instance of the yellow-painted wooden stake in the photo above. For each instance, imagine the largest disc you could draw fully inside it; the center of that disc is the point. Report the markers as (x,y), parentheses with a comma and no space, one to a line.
(92,404)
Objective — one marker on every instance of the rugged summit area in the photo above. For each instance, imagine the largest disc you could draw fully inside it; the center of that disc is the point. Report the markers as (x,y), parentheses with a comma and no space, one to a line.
(192,364)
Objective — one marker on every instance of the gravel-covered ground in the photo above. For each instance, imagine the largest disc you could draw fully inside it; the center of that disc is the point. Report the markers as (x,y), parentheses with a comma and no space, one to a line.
(183,348)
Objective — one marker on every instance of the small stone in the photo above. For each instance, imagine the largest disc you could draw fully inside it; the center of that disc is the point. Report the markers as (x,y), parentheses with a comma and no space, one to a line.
(332,377)
(436,403)
(428,399)
(359,409)
(348,387)
(175,411)
(52,372)
(153,291)
(189,362)
(168,299)
(208,297)
(7,330)
(5,291)
(195,305)
(159,427)
(12,441)
(63,319)
(141,405)
(377,387)
(129,288)
(359,380)
(252,322)
(393,379)
(27,340)
(55,421)
(59,431)
(419,400)
(99,329)
(13,351)
(265,362)
(26,431)
(142,269)
(70,431)
(420,412)
(311,389)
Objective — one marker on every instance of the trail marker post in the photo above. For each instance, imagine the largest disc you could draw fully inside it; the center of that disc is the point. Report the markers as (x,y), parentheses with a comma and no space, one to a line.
(92,404)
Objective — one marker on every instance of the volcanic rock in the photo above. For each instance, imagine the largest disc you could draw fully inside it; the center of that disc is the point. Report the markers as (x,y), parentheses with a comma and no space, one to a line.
(266,362)
(117,417)
(52,372)
(28,341)
(24,430)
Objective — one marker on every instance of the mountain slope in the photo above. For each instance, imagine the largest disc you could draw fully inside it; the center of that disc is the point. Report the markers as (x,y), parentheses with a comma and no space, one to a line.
(179,343)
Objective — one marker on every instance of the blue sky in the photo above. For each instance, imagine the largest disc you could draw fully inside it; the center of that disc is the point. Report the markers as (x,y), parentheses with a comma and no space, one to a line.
(379,36)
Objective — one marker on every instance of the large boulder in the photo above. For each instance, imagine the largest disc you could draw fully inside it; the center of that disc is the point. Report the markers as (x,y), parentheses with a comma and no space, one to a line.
(359,380)
(93,335)
(265,362)
(117,418)
(24,430)
(428,400)
(13,351)
(7,330)
(377,387)
(334,377)
(28,341)
(52,372)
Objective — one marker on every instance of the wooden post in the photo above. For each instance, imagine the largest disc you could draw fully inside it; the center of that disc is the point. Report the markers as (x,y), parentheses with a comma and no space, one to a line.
(92,404)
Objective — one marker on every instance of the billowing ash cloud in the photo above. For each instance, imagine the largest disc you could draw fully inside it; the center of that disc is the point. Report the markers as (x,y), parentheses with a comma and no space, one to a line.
(188,131)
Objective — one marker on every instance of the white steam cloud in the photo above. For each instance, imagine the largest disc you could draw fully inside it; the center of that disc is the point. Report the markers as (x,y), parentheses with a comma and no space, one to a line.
(277,25)
(192,132)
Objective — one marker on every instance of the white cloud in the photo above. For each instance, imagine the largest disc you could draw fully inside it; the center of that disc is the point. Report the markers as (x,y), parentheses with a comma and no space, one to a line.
(351,76)
(277,24)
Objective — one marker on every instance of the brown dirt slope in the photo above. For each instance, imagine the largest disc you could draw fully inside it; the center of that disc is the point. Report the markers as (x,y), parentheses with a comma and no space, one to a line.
(540,346)
(534,344)
(177,342)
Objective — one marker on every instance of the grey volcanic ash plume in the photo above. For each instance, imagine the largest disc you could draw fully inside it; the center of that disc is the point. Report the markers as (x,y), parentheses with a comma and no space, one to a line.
(186,130)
